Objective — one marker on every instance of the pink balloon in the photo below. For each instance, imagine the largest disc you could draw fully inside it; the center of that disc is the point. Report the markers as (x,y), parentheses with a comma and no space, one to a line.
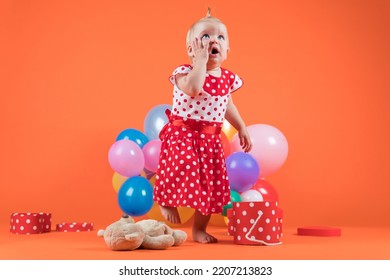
(151,152)
(270,147)
(126,158)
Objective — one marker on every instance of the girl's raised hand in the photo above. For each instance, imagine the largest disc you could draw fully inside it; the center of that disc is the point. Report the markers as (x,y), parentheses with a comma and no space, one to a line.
(200,49)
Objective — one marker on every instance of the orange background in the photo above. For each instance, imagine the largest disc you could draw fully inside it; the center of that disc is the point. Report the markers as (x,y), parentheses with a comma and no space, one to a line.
(73,74)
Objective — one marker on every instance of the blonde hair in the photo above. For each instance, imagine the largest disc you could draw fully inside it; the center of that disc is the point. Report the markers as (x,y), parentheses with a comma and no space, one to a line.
(208,17)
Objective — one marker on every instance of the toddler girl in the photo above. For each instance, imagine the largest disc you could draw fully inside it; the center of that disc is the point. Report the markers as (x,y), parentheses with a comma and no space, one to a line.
(192,171)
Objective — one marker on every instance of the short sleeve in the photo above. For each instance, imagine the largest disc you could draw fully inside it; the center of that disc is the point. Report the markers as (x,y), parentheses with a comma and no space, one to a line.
(237,83)
(183,69)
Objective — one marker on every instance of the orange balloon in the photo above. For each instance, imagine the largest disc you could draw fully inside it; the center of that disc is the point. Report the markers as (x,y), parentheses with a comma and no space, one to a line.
(118,180)
(228,129)
(185,213)
(226,220)
(217,220)
(225,144)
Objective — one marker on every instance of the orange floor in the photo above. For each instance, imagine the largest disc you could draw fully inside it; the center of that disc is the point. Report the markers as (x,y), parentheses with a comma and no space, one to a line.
(354,244)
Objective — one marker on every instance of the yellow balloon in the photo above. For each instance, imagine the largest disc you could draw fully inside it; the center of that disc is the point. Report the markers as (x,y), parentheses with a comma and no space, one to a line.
(185,213)
(217,220)
(143,174)
(228,129)
(118,180)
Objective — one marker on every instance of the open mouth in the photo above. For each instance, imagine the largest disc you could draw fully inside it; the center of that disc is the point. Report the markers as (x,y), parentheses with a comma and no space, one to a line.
(214,51)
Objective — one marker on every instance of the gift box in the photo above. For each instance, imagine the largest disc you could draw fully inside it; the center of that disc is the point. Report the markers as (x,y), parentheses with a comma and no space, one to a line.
(74,227)
(30,223)
(256,223)
(230,223)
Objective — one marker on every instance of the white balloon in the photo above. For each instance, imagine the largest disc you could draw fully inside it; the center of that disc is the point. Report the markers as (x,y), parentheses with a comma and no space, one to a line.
(155,121)
(251,196)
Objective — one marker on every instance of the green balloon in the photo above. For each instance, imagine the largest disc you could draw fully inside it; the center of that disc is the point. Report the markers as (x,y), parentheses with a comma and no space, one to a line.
(234,197)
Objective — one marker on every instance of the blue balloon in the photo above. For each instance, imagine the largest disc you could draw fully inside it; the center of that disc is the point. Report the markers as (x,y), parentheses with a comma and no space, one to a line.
(243,171)
(155,121)
(135,196)
(133,135)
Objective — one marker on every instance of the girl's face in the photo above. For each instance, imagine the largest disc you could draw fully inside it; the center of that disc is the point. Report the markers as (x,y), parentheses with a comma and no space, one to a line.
(214,34)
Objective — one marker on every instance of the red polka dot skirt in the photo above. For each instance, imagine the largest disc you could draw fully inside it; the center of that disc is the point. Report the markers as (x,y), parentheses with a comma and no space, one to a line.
(192,171)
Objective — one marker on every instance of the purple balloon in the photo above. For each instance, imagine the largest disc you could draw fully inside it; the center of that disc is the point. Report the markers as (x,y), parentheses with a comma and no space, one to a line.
(126,158)
(243,171)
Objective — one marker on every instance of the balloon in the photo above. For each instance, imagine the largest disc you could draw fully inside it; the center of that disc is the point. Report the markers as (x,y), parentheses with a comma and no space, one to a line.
(147,174)
(225,144)
(151,152)
(228,129)
(251,196)
(226,220)
(234,197)
(267,191)
(270,147)
(133,135)
(217,220)
(126,158)
(135,196)
(243,171)
(118,180)
(155,121)
(185,213)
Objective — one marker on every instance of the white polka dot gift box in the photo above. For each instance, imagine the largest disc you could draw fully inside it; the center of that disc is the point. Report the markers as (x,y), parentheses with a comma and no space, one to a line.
(30,223)
(257,223)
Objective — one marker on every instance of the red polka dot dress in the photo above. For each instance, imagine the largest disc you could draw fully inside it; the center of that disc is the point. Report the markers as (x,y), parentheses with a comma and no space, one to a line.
(192,171)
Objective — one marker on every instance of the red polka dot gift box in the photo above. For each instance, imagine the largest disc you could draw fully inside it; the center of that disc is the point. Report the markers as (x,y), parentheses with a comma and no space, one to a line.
(74,227)
(30,223)
(256,223)
(230,223)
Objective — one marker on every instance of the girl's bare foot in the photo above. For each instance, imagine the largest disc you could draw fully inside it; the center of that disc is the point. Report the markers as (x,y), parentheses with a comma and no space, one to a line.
(199,233)
(170,214)
(203,237)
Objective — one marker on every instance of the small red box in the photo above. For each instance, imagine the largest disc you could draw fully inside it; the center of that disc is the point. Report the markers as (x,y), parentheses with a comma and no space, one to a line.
(257,223)
(30,223)
(74,227)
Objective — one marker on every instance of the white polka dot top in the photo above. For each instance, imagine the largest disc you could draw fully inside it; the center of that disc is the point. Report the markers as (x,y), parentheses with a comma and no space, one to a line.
(209,104)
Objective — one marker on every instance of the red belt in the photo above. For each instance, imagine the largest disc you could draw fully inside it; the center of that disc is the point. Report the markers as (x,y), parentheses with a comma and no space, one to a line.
(199,127)
(195,126)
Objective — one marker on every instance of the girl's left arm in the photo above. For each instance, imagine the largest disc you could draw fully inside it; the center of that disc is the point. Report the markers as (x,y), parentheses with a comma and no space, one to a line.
(234,118)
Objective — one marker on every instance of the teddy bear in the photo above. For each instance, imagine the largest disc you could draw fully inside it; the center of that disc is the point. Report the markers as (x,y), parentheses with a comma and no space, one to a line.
(126,235)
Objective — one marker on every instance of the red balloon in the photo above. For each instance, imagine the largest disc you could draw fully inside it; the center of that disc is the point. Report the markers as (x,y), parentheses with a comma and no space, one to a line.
(225,144)
(268,192)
